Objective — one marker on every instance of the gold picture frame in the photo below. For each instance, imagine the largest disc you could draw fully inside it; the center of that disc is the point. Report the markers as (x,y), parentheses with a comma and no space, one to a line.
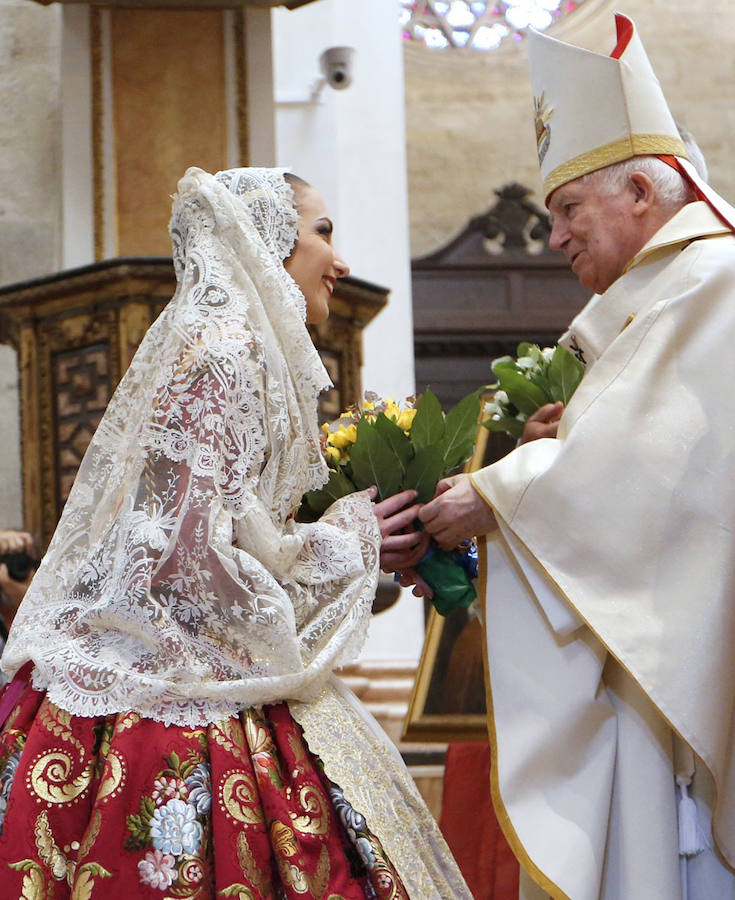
(448,699)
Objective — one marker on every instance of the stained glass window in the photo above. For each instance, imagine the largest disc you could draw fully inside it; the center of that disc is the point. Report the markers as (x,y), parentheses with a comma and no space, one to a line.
(477,24)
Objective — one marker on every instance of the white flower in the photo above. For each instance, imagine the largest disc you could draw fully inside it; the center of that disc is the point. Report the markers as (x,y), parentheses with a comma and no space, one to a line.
(548,354)
(174,828)
(365,850)
(200,789)
(492,409)
(525,362)
(501,398)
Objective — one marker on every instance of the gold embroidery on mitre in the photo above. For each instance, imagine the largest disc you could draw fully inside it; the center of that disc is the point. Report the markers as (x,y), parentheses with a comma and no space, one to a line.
(542,114)
(614,152)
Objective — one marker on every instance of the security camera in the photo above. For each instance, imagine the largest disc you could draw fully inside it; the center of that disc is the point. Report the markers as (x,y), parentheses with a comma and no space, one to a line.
(336,64)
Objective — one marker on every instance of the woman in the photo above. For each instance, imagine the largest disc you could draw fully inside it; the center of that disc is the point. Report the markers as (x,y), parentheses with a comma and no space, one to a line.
(179,605)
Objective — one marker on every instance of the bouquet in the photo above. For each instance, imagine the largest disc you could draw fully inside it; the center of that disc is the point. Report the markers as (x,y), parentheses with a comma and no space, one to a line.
(396,448)
(537,377)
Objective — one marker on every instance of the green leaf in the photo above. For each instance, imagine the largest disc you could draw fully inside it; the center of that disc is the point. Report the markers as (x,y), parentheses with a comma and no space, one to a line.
(339,485)
(399,442)
(524,394)
(428,424)
(25,865)
(373,461)
(565,373)
(424,470)
(502,361)
(460,428)
(139,825)
(505,425)
(96,870)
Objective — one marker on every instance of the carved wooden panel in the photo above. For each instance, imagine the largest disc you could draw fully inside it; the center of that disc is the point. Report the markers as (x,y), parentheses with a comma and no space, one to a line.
(81,389)
(496,284)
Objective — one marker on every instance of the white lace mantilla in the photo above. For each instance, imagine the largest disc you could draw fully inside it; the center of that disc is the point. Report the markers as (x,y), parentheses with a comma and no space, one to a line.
(177,584)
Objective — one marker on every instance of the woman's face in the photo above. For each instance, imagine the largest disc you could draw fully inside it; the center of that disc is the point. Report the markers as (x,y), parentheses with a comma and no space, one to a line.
(315,265)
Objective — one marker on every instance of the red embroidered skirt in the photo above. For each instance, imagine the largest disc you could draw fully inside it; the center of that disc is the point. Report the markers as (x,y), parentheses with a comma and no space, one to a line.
(121,807)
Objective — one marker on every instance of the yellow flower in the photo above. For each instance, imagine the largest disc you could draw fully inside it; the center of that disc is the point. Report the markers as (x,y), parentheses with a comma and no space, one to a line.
(343,437)
(405,419)
(392,411)
(334,456)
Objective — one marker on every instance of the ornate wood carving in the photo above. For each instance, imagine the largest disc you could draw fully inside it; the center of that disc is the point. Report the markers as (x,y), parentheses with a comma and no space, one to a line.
(76,332)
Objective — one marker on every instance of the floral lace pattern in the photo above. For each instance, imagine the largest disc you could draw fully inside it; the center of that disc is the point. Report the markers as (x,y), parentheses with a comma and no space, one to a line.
(177,584)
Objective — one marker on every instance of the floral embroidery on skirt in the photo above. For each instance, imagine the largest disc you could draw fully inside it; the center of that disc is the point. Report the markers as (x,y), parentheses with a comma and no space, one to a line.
(121,806)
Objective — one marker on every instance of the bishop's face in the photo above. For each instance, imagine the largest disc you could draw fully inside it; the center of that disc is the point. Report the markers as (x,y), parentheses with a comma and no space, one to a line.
(315,265)
(598,233)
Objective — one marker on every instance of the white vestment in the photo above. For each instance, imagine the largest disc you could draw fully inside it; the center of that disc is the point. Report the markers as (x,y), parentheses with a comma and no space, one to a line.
(609,611)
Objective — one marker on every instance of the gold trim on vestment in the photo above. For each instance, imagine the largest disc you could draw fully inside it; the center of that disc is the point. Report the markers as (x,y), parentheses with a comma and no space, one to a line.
(503,817)
(614,152)
(482,584)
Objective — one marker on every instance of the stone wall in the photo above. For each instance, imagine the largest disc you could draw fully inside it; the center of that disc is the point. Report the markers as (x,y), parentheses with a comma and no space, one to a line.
(469,113)
(30,41)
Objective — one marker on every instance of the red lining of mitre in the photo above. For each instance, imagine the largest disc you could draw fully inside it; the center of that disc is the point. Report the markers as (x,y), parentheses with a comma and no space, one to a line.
(625,30)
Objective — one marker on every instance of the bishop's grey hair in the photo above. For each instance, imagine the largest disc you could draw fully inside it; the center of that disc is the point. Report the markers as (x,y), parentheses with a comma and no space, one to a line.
(671,189)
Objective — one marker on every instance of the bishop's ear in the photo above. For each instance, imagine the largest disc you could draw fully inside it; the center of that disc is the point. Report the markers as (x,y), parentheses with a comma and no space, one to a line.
(643,191)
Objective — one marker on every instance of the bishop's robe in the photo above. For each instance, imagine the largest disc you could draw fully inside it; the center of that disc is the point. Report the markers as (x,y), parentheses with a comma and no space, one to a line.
(610,600)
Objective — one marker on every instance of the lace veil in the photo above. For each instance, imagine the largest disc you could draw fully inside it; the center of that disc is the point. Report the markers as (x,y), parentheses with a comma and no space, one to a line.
(177,583)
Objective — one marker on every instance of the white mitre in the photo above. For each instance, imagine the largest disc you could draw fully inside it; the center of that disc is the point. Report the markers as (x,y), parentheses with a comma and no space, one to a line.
(592,111)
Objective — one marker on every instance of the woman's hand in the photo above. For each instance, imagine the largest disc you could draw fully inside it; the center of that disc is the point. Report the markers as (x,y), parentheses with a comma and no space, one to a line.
(403,544)
(411,578)
(544,423)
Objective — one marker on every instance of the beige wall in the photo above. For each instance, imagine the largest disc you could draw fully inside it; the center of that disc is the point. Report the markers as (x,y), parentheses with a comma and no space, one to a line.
(29,195)
(469,121)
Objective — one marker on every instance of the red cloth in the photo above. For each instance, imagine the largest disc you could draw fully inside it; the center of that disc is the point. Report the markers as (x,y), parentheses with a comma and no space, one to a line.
(119,806)
(470,827)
